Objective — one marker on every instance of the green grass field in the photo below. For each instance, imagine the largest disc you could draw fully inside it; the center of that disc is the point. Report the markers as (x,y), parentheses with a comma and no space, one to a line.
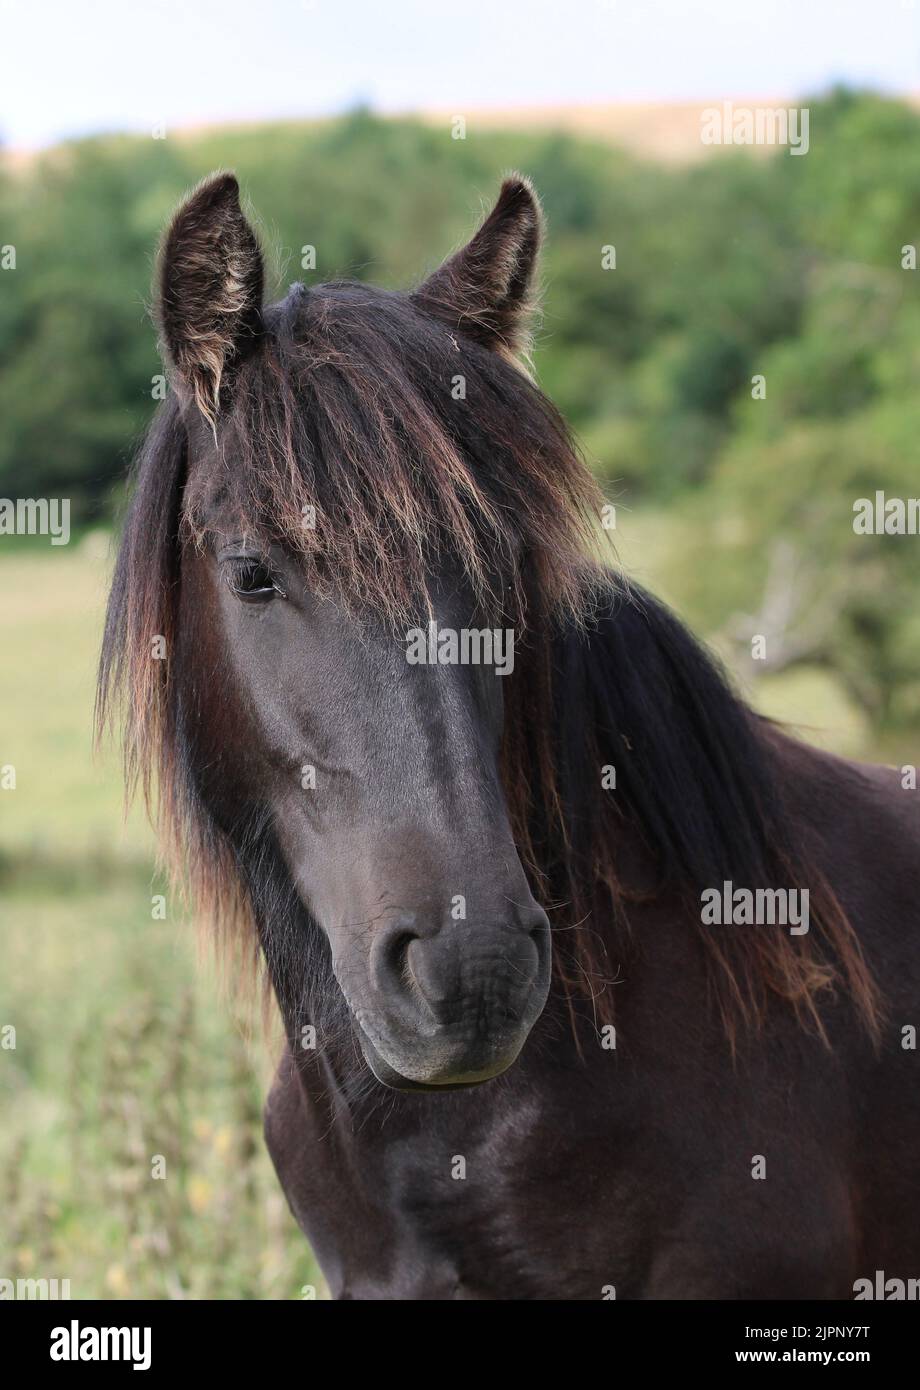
(128,1061)
(125,1048)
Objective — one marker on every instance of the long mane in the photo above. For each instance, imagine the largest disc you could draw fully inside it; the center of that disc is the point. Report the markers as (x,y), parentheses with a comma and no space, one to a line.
(378,446)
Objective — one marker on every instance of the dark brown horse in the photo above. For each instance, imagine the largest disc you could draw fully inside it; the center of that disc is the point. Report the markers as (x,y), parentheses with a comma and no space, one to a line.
(594,983)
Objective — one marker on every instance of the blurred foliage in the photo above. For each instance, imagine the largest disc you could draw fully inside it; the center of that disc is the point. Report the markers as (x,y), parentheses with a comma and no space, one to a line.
(735,266)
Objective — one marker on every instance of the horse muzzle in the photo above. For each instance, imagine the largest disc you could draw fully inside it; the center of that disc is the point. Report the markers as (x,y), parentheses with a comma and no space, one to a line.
(454,1006)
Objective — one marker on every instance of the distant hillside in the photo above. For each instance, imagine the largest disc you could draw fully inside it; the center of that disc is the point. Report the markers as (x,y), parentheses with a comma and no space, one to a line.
(665,131)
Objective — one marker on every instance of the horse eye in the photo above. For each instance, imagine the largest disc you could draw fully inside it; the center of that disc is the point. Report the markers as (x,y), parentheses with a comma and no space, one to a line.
(252,581)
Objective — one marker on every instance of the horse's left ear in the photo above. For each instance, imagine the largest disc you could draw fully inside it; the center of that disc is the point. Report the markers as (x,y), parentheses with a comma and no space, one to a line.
(486,289)
(209,303)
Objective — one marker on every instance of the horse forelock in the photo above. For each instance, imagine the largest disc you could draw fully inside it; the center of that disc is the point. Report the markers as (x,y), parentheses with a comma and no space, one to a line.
(378,446)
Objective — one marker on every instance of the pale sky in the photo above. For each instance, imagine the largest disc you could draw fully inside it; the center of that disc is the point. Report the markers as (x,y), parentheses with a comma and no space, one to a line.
(73,67)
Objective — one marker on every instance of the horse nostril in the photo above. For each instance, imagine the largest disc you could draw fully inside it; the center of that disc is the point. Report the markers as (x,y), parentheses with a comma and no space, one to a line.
(440,971)
(398,952)
(390,959)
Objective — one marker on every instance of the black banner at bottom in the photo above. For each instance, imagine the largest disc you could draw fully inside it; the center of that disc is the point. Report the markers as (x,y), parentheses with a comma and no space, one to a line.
(158,1339)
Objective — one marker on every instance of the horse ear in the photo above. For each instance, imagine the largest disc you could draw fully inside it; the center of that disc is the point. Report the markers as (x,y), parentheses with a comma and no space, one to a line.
(209,302)
(486,288)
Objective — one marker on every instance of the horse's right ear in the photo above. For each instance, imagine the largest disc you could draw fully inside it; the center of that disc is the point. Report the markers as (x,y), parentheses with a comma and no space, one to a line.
(209,294)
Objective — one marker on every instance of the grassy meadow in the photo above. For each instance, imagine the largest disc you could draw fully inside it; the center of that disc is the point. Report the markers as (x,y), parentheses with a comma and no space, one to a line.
(128,1058)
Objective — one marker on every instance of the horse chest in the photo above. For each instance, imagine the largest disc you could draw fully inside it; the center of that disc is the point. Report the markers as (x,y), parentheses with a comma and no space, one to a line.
(460,1207)
(466,1225)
